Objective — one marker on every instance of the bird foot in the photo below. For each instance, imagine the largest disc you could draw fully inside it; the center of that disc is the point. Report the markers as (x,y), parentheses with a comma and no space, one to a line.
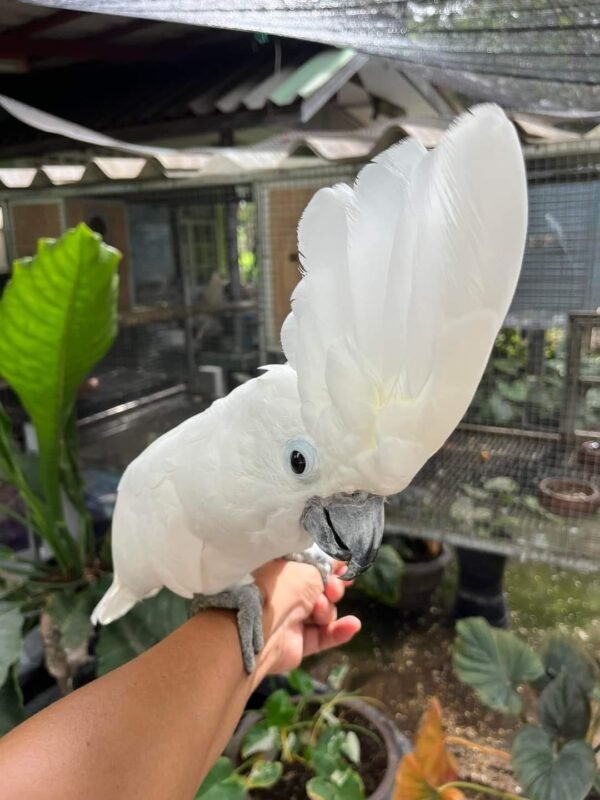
(247,600)
(315,556)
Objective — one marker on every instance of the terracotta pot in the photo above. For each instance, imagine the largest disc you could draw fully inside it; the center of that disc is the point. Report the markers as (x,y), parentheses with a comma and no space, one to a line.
(395,744)
(569,497)
(589,453)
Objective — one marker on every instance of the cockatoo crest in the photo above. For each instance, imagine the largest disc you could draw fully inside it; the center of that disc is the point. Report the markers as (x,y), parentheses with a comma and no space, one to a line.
(407,278)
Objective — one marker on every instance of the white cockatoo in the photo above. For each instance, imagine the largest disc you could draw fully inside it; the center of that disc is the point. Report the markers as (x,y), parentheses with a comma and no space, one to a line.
(406,279)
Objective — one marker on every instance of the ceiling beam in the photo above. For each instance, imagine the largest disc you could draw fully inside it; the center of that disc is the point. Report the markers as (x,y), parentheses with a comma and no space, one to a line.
(41,24)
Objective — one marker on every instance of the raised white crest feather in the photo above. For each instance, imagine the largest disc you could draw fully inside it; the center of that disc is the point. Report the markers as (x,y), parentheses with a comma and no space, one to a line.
(407,278)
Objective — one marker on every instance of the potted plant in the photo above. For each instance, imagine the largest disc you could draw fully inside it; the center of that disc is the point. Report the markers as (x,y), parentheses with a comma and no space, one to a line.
(58,317)
(553,754)
(325,745)
(494,509)
(406,572)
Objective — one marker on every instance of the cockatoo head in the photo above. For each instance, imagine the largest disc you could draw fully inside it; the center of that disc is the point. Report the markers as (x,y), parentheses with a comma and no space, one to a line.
(406,279)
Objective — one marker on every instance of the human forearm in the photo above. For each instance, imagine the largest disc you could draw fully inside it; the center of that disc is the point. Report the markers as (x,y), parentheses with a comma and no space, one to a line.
(150,729)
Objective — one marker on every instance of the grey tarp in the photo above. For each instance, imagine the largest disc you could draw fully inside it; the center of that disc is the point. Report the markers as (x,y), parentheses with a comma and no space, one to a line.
(541,56)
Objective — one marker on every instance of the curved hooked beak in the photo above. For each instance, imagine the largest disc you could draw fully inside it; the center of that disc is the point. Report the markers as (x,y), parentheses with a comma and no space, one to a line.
(348,527)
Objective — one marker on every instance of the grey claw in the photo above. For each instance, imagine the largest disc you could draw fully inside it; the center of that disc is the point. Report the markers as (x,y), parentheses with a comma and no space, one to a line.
(317,558)
(247,600)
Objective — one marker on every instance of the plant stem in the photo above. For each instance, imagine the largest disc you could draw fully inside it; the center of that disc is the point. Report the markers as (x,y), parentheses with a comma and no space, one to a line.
(477,787)
(493,751)
(9,512)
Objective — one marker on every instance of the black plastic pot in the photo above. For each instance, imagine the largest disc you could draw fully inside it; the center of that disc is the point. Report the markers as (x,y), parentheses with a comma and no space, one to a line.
(396,745)
(420,579)
(480,591)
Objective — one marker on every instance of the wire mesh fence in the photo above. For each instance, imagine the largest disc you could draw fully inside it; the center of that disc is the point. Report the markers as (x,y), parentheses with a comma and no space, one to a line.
(206,283)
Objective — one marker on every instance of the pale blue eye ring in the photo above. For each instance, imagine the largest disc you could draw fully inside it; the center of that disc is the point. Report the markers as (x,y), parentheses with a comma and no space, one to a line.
(301,459)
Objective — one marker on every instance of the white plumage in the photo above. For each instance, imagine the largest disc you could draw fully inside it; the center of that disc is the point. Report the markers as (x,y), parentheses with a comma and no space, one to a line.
(407,278)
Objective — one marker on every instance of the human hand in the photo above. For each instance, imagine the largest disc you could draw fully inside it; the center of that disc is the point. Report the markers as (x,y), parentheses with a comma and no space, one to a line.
(300,615)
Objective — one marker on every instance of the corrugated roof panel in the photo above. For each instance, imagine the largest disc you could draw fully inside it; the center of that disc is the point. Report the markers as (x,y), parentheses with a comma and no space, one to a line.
(318,98)
(17,177)
(232,99)
(258,97)
(59,174)
(116,169)
(311,75)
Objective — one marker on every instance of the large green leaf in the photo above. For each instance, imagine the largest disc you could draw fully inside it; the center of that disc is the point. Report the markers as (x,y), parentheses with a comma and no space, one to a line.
(494,663)
(57,319)
(71,615)
(11,703)
(279,709)
(546,774)
(220,771)
(301,682)
(564,708)
(264,774)
(261,738)
(383,580)
(145,625)
(562,655)
(11,624)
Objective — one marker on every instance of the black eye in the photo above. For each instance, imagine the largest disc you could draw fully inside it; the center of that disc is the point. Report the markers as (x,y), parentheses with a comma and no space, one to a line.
(297,462)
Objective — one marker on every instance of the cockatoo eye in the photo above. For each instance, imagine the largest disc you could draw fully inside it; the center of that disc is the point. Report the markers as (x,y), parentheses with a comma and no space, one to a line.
(301,458)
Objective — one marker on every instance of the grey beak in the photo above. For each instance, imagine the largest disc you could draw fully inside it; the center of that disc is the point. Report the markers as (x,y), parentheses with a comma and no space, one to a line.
(348,527)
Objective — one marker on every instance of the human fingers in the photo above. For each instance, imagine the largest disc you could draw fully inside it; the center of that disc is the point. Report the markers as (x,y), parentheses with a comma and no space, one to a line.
(335,589)
(324,637)
(323,612)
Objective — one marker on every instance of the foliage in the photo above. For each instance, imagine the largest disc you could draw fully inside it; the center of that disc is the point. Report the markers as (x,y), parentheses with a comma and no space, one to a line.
(424,772)
(496,508)
(58,317)
(309,730)
(383,580)
(509,395)
(551,756)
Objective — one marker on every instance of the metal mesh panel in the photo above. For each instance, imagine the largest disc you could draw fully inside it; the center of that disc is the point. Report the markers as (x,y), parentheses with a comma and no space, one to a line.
(539,393)
(209,274)
(188,318)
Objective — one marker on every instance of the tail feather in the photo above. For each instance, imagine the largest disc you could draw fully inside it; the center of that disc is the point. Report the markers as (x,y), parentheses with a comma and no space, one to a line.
(117,601)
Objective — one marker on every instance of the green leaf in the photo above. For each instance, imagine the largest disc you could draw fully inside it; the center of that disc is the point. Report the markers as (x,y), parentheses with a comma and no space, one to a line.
(502,411)
(71,615)
(279,709)
(501,485)
(494,663)
(233,788)
(383,580)
(261,739)
(546,775)
(463,509)
(144,626)
(11,637)
(301,682)
(564,708)
(337,676)
(321,789)
(562,655)
(474,492)
(264,774)
(11,703)
(220,770)
(351,747)
(350,786)
(515,391)
(57,319)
